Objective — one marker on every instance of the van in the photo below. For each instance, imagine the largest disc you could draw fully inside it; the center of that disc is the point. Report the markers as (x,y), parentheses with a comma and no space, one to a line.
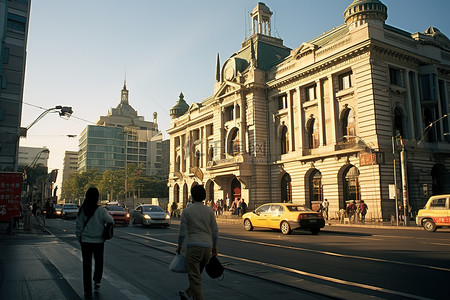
(435,214)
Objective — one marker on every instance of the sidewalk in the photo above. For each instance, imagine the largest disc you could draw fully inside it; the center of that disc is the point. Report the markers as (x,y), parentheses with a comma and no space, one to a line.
(36,265)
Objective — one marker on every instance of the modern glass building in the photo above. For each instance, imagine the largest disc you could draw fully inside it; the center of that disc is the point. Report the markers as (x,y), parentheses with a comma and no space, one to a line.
(123,137)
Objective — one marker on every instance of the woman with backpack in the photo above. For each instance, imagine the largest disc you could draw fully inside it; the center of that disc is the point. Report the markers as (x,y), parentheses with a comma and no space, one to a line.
(90,224)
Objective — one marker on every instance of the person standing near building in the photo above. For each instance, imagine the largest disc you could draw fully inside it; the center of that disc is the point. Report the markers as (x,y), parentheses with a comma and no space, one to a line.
(198,228)
(90,224)
(325,205)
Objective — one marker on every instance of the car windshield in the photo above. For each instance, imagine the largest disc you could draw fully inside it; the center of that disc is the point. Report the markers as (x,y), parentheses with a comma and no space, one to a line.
(58,206)
(152,209)
(114,208)
(71,206)
(297,208)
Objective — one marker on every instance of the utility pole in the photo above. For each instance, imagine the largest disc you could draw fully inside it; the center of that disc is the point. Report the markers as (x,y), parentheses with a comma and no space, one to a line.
(404,182)
(395,179)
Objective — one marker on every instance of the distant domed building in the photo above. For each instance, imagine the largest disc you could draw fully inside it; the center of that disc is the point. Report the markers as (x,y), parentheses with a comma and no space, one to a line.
(321,120)
(120,138)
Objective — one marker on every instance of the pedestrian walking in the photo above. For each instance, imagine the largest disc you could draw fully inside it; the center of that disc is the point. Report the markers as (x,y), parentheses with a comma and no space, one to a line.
(173,209)
(325,205)
(243,207)
(198,228)
(363,210)
(90,224)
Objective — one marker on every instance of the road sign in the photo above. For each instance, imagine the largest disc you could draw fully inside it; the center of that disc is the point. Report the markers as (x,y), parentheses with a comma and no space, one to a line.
(10,195)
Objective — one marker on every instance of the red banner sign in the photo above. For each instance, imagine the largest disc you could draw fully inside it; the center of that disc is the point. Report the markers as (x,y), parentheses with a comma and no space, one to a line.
(10,195)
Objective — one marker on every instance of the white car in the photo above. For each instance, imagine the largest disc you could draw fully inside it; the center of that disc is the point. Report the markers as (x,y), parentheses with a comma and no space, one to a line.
(150,215)
(69,210)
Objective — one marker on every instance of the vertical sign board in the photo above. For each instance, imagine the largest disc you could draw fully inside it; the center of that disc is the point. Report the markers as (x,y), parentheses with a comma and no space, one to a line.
(10,195)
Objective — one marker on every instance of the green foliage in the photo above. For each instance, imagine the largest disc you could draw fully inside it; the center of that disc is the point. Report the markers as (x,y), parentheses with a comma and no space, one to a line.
(111,184)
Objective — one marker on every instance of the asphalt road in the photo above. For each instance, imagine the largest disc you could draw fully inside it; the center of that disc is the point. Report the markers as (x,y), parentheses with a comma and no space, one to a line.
(340,262)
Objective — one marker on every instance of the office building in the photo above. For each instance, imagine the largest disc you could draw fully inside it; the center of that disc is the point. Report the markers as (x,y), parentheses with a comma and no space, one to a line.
(14,19)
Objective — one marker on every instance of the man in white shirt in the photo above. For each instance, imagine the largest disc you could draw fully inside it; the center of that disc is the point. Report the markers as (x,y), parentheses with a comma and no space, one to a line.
(198,227)
(325,205)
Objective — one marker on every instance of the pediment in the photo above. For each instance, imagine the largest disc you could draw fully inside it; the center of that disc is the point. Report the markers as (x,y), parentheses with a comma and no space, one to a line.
(304,49)
(226,88)
(194,106)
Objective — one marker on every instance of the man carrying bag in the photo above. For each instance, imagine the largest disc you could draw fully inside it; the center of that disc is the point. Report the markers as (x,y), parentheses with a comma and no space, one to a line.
(198,227)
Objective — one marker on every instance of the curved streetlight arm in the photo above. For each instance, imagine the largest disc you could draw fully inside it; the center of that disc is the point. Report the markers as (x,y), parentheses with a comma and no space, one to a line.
(65,111)
(429,126)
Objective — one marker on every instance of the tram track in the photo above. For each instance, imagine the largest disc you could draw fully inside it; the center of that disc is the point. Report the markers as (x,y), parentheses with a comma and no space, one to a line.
(287,277)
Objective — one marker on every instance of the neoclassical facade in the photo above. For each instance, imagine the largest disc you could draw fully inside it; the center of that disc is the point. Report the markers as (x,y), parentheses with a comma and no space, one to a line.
(328,119)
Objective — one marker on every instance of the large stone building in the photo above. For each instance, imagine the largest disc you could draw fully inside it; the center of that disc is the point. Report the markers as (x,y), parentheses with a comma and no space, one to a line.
(318,121)
(14,19)
(70,164)
(120,138)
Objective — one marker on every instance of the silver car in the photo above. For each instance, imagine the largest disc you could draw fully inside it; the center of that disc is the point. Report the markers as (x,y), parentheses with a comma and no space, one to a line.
(150,215)
(69,211)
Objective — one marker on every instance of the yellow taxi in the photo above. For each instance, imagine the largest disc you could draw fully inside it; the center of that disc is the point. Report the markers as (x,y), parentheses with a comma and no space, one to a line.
(435,214)
(284,216)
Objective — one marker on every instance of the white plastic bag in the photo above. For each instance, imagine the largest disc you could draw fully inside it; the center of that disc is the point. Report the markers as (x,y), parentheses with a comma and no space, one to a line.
(178,264)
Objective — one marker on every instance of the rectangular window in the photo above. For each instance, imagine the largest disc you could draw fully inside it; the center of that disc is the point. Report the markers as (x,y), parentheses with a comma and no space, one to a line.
(345,81)
(310,92)
(395,76)
(229,113)
(16,22)
(427,85)
(282,102)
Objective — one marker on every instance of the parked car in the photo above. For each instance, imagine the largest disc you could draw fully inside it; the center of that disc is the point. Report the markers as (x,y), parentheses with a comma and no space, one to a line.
(284,216)
(119,214)
(435,214)
(69,211)
(149,215)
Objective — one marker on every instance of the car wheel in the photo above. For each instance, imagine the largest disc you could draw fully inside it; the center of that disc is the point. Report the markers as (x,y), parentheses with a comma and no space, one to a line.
(285,228)
(429,225)
(315,231)
(248,225)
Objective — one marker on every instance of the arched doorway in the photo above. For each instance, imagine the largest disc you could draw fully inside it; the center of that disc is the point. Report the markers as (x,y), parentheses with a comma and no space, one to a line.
(350,184)
(235,189)
(176,193)
(286,188)
(313,187)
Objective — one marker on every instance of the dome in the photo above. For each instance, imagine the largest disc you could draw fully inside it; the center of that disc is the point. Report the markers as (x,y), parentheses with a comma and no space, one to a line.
(180,108)
(365,9)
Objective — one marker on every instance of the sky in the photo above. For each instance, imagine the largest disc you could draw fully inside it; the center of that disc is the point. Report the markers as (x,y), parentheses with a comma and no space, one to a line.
(79,53)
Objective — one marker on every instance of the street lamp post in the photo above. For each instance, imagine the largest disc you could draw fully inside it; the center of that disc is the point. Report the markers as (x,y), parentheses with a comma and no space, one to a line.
(29,191)
(64,111)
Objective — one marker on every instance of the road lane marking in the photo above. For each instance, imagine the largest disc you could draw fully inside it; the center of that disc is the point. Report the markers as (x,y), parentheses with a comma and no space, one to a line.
(326,278)
(338,254)
(317,276)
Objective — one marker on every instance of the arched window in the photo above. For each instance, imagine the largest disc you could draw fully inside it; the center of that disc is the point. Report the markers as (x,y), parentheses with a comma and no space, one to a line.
(313,133)
(316,186)
(284,140)
(398,122)
(176,193)
(233,143)
(348,124)
(286,188)
(352,190)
